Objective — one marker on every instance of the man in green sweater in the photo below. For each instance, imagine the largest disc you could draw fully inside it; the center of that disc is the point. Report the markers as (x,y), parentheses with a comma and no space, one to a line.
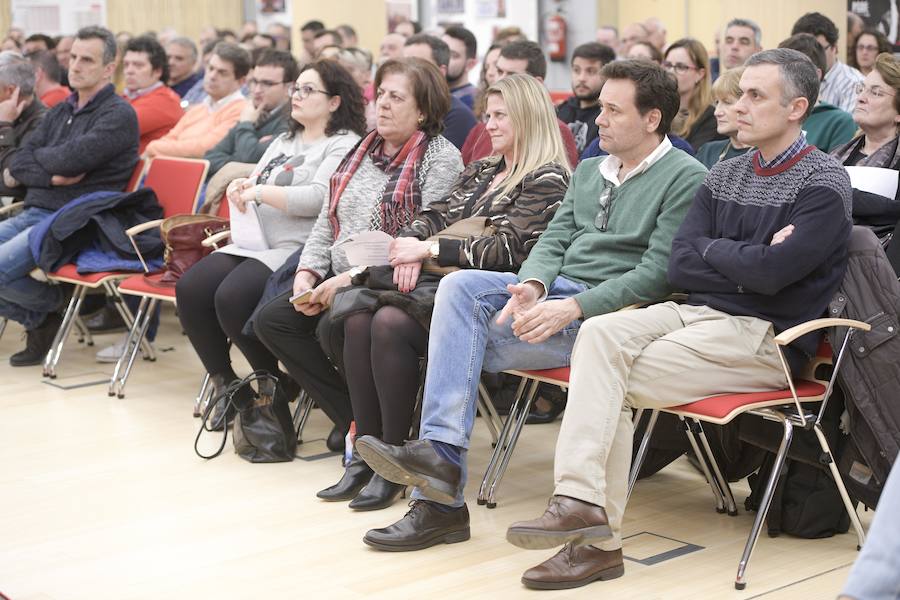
(607,247)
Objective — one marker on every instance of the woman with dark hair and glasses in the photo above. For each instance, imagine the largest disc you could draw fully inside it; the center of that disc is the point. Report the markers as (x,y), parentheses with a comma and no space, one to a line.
(288,188)
(688,61)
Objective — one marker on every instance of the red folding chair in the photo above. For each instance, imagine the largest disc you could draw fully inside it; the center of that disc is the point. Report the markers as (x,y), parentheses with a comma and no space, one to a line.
(783,406)
(181,181)
(105,280)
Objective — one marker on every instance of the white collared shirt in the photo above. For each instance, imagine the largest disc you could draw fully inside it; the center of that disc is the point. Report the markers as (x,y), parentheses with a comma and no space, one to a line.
(214,106)
(609,168)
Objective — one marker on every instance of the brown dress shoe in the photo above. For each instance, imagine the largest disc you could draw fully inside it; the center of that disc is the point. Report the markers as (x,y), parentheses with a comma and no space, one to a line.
(565,520)
(575,566)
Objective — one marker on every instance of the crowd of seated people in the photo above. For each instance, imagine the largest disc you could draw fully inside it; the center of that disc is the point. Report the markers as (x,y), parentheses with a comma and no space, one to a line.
(634,187)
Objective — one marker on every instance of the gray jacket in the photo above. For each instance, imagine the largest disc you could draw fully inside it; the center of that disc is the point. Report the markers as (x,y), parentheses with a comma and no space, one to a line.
(870,373)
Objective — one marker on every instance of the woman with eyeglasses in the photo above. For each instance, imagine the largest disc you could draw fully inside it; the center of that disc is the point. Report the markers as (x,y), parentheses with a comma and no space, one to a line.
(688,61)
(402,166)
(877,113)
(287,188)
(869,44)
(517,190)
(726,91)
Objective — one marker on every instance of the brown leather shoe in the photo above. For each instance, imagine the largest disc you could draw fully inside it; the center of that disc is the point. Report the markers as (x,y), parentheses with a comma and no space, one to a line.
(565,520)
(575,566)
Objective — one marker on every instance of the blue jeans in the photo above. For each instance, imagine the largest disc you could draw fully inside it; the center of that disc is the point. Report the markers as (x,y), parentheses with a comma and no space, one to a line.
(465,338)
(22,298)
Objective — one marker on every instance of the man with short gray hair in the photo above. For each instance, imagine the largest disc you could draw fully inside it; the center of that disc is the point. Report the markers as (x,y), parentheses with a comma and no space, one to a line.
(182,55)
(20,112)
(743,38)
(751,255)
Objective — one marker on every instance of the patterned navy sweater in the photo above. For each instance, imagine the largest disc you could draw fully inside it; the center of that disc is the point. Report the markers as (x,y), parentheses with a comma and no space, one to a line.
(722,254)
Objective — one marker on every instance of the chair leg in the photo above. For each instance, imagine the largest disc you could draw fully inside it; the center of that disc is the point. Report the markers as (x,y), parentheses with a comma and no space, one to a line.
(201,395)
(62,334)
(488,413)
(147,350)
(642,452)
(2,326)
(301,414)
(740,581)
(521,416)
(714,484)
(839,482)
(132,334)
(133,343)
(499,446)
(730,504)
(84,334)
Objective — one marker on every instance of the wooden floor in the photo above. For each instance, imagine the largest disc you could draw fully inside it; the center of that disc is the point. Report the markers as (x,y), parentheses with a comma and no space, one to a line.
(102,498)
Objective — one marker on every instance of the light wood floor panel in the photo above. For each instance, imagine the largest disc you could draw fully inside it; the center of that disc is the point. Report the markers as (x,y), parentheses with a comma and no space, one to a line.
(104,498)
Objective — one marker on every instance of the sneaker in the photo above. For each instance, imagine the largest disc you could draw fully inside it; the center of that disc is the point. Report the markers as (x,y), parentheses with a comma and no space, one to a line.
(38,342)
(111,354)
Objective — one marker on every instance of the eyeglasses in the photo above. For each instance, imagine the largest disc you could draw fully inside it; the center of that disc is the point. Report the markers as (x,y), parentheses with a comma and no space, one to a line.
(303,91)
(601,221)
(263,83)
(679,68)
(867,48)
(874,91)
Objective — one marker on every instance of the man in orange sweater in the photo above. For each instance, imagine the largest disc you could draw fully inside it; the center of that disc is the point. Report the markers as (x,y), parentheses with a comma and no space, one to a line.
(158,108)
(205,124)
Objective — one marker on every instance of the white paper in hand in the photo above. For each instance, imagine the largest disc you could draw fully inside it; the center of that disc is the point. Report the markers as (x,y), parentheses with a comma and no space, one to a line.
(874,180)
(246,230)
(368,248)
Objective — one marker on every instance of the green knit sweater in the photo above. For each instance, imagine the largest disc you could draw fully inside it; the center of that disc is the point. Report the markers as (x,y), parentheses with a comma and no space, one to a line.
(626,263)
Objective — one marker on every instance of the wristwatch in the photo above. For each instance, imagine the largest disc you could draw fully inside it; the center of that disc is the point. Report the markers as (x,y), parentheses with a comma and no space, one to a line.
(435,250)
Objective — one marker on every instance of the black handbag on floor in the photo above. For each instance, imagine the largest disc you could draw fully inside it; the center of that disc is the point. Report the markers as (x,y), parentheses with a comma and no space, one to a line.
(263,430)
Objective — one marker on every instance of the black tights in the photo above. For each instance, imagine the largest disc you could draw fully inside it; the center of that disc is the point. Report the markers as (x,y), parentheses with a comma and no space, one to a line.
(381,361)
(215,298)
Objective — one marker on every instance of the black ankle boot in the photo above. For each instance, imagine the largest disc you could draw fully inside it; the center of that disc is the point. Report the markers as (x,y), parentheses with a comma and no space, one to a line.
(224,412)
(37,342)
(356,475)
(335,440)
(379,493)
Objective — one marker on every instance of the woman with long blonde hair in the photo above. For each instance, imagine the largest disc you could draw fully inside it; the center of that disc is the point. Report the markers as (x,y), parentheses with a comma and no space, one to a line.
(515,193)
(688,61)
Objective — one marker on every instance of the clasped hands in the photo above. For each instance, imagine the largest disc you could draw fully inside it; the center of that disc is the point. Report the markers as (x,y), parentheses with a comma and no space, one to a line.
(532,321)
(240,191)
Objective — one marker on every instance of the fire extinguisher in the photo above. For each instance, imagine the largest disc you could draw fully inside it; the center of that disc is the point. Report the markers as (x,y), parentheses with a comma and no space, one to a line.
(555,28)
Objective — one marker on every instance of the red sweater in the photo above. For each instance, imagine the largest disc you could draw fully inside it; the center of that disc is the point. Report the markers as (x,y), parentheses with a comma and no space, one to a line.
(478,144)
(55,95)
(157,113)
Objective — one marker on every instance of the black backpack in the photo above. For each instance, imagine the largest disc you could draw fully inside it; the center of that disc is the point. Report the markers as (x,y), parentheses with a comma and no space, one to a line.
(806,502)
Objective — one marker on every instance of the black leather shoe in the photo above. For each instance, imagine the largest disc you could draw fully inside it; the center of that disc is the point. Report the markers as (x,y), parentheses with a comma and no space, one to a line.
(37,342)
(422,527)
(107,319)
(379,493)
(554,397)
(356,475)
(416,463)
(335,440)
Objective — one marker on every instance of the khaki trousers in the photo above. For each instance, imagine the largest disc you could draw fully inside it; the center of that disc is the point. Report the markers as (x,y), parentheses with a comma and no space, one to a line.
(656,357)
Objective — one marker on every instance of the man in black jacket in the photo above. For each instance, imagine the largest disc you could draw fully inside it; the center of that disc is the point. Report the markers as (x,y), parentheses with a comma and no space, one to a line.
(20,112)
(85,144)
(580,111)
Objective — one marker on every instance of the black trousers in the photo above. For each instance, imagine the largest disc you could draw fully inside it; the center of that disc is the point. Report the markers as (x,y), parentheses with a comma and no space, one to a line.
(215,298)
(303,344)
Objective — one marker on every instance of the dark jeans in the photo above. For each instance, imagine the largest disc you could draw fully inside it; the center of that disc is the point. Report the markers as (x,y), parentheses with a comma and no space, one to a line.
(295,339)
(215,298)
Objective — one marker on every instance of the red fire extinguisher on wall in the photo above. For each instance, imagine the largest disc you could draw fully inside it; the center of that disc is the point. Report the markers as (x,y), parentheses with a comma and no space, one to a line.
(555,28)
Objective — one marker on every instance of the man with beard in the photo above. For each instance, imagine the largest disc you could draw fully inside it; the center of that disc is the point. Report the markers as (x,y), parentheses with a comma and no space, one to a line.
(580,111)
(463,58)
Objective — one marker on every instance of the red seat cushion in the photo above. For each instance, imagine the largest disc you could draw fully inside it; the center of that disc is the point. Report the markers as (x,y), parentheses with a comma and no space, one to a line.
(140,285)
(560,374)
(70,271)
(718,407)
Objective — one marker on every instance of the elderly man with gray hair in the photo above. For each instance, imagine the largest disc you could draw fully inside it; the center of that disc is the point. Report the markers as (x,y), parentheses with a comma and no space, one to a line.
(751,255)
(20,111)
